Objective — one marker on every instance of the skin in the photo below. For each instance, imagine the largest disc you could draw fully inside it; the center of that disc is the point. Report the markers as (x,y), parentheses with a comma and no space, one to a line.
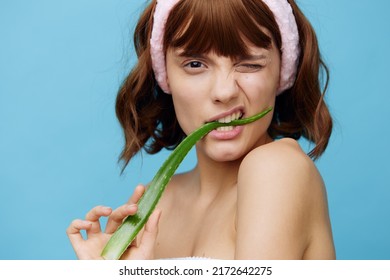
(91,247)
(249,197)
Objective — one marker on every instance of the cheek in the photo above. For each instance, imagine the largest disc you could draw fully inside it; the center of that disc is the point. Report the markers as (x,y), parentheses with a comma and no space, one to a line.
(185,89)
(188,103)
(183,116)
(186,97)
(261,87)
(188,92)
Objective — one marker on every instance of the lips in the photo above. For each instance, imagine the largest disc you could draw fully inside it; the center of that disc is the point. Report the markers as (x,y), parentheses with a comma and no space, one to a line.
(226,133)
(231,117)
(226,117)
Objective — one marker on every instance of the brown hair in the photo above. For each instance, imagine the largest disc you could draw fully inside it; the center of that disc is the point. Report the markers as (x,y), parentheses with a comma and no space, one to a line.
(146,113)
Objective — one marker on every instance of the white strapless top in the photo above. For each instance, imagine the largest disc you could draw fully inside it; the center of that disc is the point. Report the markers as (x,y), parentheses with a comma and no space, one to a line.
(189,258)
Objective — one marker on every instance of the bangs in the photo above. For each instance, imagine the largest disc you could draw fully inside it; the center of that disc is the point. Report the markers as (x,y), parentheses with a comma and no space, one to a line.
(224,27)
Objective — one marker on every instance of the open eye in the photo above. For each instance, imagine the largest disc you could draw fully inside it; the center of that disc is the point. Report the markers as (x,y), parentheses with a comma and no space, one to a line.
(194,64)
(194,67)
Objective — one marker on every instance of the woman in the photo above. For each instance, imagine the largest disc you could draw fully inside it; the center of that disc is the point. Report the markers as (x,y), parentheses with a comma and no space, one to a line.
(254,194)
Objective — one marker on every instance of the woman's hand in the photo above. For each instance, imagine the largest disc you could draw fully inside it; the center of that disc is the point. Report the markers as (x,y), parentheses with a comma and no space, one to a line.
(91,247)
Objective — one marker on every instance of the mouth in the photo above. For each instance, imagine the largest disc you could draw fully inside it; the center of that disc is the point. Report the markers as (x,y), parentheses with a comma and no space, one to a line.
(229,118)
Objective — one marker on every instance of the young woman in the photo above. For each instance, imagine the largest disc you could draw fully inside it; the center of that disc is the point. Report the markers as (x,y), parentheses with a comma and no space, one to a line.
(254,193)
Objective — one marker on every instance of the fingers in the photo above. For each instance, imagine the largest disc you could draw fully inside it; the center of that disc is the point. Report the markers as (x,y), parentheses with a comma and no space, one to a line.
(117,216)
(94,215)
(73,231)
(129,209)
(138,192)
(91,223)
(149,236)
(143,248)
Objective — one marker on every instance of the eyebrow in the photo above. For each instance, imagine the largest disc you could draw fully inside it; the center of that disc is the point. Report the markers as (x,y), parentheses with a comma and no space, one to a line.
(251,57)
(183,53)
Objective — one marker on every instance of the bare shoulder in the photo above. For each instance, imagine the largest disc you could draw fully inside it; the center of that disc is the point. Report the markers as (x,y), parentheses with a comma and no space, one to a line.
(281,160)
(282,204)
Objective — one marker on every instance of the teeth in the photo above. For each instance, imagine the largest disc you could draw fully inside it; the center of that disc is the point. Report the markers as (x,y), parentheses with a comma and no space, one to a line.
(227,119)
(234,116)
(225,128)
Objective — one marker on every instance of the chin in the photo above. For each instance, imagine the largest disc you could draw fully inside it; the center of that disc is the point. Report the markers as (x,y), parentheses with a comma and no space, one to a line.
(226,155)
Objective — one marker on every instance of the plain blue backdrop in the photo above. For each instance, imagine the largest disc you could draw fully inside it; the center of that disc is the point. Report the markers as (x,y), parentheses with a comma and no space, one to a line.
(61,63)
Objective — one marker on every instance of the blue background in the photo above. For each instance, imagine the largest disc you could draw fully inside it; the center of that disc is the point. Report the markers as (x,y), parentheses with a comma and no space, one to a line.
(61,63)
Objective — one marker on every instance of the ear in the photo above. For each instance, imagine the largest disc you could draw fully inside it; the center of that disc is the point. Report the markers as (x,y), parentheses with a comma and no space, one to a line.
(169,88)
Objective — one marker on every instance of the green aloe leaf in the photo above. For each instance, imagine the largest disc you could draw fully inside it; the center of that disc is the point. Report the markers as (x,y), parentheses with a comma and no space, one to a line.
(130,227)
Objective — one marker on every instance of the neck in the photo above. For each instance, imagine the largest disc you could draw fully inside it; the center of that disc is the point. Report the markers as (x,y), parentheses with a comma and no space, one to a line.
(212,178)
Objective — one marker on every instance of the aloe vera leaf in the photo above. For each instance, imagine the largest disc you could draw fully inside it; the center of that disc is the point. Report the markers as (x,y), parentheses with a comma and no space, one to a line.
(130,227)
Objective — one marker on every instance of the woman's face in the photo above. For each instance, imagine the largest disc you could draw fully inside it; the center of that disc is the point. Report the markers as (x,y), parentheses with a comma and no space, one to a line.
(206,87)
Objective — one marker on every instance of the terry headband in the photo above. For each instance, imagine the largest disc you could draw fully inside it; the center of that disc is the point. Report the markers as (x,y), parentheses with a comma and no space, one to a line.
(284,18)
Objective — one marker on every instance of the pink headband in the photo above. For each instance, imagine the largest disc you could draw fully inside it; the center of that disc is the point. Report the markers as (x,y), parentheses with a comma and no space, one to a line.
(284,18)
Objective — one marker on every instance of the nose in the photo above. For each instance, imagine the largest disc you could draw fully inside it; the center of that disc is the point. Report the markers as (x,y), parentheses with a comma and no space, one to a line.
(225,87)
